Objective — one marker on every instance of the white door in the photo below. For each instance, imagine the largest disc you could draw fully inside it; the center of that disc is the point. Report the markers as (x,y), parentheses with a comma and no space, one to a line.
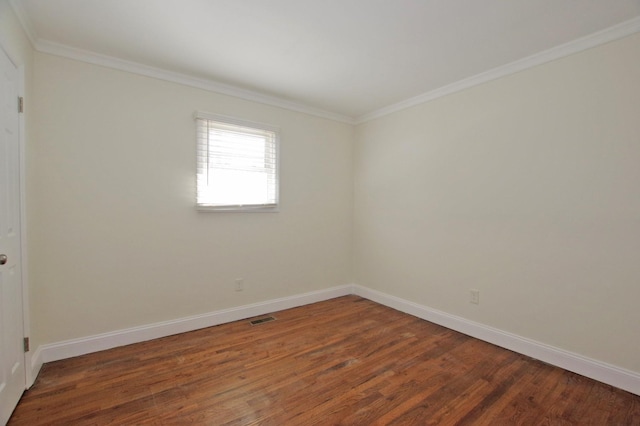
(12,368)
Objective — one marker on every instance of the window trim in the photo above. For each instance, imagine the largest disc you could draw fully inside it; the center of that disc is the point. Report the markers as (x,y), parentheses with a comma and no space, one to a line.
(242,208)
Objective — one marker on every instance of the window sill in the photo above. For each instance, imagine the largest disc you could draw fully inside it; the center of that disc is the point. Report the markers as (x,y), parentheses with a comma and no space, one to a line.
(238,209)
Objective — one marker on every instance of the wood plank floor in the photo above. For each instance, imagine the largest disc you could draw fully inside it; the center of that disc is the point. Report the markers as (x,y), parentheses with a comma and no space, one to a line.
(345,361)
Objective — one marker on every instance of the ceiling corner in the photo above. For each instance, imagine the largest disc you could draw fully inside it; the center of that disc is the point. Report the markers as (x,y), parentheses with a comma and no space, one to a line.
(25,21)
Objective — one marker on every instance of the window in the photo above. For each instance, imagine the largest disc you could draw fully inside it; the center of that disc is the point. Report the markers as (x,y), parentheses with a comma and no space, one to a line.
(237,164)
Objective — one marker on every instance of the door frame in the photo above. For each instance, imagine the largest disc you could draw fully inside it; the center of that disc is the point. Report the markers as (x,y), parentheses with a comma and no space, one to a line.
(30,371)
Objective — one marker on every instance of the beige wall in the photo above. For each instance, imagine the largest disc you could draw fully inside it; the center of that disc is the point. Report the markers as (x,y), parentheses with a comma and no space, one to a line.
(526,188)
(119,242)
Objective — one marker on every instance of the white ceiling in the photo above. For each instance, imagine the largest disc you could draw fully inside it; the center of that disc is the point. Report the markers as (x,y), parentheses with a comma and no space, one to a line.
(348,57)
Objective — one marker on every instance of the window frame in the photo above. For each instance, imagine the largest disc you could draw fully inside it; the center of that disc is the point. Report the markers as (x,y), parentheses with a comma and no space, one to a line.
(234,121)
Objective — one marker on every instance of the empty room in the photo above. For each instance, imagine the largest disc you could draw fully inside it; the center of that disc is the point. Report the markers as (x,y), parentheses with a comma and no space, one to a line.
(297,212)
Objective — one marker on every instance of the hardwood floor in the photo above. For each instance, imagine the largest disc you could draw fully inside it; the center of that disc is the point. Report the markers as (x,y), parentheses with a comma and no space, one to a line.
(345,361)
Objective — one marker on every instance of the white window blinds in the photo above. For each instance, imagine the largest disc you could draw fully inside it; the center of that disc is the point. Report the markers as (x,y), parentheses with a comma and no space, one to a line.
(237,164)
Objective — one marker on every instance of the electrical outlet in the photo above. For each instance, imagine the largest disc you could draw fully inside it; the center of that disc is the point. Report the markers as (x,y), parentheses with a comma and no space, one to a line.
(474,296)
(239,284)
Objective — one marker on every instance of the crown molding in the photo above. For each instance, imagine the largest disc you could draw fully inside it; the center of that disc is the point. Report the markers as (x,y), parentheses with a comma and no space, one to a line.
(601,37)
(64,51)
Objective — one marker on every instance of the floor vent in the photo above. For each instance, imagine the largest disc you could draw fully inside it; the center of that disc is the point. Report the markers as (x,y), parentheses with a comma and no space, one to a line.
(262,320)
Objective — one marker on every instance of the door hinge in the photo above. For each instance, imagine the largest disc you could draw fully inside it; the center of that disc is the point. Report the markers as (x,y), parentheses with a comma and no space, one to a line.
(26,344)
(20,104)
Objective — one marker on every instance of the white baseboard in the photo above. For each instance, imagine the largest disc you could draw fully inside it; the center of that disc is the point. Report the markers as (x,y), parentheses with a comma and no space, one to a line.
(606,373)
(602,372)
(99,342)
